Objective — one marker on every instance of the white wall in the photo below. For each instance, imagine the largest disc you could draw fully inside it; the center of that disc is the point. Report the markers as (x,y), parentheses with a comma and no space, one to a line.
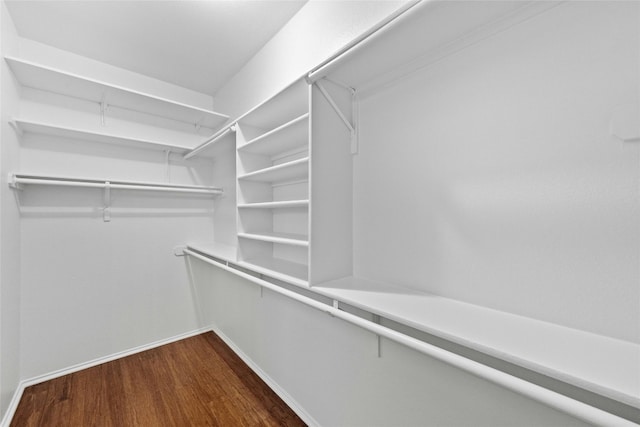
(491,176)
(92,288)
(317,31)
(9,224)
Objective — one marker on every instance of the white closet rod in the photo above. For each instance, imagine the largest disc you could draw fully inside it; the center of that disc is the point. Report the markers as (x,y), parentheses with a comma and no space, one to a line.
(16,180)
(214,138)
(324,68)
(540,394)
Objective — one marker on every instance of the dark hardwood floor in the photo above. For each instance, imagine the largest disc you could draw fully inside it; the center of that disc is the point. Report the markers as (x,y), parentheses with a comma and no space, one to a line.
(197,381)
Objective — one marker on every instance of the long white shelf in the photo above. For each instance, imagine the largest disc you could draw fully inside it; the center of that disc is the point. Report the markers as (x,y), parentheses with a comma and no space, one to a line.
(287,271)
(296,169)
(290,272)
(284,138)
(276,205)
(43,77)
(42,128)
(218,250)
(18,180)
(600,364)
(282,238)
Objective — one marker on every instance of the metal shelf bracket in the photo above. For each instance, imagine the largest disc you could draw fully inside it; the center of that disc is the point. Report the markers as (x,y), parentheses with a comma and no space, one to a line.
(106,211)
(350,126)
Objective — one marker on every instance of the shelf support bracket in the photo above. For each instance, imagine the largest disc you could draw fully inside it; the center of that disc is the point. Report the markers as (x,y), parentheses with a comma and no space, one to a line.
(106,211)
(347,123)
(15,127)
(167,170)
(376,320)
(355,114)
(103,109)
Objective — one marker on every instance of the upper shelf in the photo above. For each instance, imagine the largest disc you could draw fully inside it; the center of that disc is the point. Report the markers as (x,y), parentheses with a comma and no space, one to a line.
(53,80)
(600,364)
(42,128)
(427,33)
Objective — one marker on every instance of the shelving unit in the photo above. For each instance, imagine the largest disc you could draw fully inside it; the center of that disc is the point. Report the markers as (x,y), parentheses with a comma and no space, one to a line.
(272,167)
(50,79)
(428,216)
(36,127)
(308,213)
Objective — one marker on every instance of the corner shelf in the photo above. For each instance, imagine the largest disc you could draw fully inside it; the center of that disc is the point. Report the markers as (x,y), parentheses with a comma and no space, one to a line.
(41,128)
(43,77)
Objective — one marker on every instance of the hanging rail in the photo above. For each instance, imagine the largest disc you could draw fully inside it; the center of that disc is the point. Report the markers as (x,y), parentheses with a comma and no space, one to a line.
(321,70)
(535,392)
(16,180)
(214,138)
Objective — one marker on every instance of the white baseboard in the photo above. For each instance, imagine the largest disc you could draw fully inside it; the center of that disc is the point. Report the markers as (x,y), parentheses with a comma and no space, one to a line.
(13,405)
(290,401)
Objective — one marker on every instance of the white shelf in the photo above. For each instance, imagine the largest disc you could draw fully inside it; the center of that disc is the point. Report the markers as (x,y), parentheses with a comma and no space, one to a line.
(290,272)
(221,251)
(287,271)
(289,136)
(276,205)
(42,128)
(297,169)
(282,238)
(53,80)
(600,364)
(426,34)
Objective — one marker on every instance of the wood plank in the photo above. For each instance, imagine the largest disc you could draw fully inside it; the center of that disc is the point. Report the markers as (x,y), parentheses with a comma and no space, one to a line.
(196,381)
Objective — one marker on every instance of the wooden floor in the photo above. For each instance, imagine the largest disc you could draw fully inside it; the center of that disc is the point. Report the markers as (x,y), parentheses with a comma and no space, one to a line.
(198,381)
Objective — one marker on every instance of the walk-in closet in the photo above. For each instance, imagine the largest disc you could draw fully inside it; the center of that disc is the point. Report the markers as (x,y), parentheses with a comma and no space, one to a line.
(323,213)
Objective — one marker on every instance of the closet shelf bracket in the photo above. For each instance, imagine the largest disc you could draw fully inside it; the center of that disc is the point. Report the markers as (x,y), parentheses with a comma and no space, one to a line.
(103,109)
(350,126)
(15,127)
(106,211)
